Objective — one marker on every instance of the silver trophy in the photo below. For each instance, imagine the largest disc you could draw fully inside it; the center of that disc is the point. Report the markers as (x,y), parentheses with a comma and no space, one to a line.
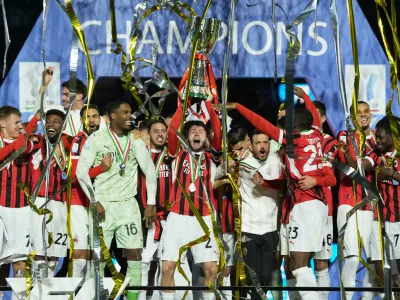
(208,35)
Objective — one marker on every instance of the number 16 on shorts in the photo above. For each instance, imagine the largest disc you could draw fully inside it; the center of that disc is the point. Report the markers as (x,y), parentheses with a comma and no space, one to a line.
(131,229)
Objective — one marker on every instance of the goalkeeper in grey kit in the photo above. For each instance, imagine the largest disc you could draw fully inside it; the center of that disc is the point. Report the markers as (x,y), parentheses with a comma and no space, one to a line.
(115,190)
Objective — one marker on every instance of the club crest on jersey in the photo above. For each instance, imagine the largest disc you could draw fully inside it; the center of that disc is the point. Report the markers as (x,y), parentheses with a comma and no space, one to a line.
(76,240)
(395,163)
(75,148)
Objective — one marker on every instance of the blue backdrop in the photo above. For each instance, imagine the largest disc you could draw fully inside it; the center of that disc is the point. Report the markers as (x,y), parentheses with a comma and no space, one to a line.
(252,49)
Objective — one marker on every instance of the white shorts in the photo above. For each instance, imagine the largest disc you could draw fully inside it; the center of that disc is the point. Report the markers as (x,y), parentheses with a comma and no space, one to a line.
(80,227)
(306,223)
(364,220)
(326,250)
(181,230)
(283,240)
(393,232)
(229,239)
(16,228)
(57,226)
(152,246)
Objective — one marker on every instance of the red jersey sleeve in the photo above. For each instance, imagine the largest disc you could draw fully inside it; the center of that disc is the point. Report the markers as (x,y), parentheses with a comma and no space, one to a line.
(313,110)
(172,138)
(261,124)
(373,158)
(216,142)
(327,179)
(31,126)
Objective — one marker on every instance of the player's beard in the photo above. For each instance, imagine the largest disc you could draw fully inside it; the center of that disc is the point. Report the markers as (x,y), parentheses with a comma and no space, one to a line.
(197,146)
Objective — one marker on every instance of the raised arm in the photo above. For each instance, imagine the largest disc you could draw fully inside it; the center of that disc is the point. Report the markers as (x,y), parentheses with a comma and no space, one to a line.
(20,141)
(261,124)
(313,110)
(172,138)
(216,142)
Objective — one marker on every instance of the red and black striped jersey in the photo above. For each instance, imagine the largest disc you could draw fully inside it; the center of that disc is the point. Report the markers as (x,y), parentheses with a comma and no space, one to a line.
(78,196)
(11,175)
(388,188)
(308,156)
(162,164)
(223,206)
(183,168)
(346,194)
(330,151)
(57,176)
(287,206)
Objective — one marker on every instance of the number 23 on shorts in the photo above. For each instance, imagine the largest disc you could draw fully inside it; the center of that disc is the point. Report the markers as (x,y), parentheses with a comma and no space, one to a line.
(293,232)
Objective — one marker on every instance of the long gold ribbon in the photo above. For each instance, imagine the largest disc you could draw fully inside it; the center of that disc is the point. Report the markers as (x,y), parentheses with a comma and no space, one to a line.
(199,240)
(81,36)
(176,8)
(69,231)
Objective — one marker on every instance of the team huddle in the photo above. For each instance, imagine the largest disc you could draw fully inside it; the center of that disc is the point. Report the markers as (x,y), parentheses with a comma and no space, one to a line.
(139,181)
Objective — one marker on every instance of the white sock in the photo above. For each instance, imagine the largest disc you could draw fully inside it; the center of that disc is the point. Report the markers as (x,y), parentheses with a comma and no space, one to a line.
(145,279)
(167,296)
(227,282)
(293,295)
(134,272)
(39,269)
(52,268)
(305,277)
(208,296)
(323,280)
(1,295)
(277,281)
(349,274)
(78,267)
(87,270)
(369,281)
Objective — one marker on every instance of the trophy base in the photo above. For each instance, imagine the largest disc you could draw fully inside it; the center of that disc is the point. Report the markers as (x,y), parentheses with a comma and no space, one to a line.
(198,95)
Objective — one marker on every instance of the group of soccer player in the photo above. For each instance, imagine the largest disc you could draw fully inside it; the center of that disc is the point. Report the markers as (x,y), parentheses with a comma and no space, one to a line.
(155,191)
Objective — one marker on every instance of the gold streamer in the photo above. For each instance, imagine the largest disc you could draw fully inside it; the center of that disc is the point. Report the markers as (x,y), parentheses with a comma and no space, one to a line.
(392,23)
(39,211)
(28,272)
(237,215)
(199,240)
(118,278)
(79,32)
(69,232)
(126,76)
